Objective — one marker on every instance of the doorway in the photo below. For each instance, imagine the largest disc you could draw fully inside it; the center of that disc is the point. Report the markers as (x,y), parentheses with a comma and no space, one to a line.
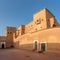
(35,45)
(3,45)
(43,47)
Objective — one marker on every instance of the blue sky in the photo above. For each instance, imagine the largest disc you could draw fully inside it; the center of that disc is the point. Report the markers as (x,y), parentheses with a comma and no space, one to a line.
(19,12)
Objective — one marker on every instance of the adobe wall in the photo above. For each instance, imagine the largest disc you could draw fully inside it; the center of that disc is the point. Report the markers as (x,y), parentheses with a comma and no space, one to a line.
(50,36)
(29,27)
(42,19)
(19,31)
(2,39)
(8,42)
(38,23)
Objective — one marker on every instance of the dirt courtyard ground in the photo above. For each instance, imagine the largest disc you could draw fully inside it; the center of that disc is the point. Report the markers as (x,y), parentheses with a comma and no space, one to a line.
(15,54)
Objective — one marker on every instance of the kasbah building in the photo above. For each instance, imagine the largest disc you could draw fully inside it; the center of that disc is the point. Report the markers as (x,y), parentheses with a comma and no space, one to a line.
(41,34)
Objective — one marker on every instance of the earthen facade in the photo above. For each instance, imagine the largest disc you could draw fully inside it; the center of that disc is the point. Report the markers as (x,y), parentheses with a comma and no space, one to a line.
(41,34)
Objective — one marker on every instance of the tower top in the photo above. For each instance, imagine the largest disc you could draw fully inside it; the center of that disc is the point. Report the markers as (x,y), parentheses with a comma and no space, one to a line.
(45,11)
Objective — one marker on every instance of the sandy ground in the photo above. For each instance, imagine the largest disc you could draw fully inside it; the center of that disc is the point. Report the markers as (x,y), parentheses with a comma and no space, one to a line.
(15,54)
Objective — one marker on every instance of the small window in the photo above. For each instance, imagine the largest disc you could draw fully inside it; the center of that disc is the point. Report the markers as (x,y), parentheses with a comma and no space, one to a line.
(38,21)
(8,32)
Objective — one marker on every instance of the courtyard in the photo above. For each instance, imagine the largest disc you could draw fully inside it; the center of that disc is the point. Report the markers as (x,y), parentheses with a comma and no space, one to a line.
(17,54)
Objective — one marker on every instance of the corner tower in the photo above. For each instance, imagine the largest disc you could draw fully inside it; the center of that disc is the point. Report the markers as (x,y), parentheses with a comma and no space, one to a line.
(9,35)
(44,19)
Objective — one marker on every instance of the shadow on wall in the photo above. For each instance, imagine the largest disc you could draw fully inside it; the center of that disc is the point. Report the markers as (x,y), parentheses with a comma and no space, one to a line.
(41,47)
